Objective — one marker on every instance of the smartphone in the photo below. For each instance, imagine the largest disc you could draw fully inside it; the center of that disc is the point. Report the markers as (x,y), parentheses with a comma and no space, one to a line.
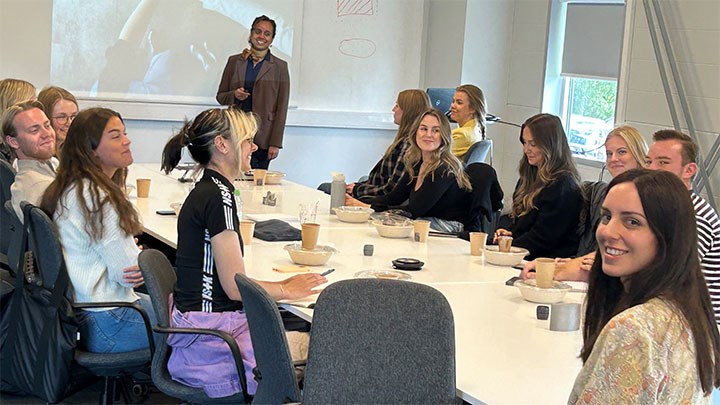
(165,212)
(512,280)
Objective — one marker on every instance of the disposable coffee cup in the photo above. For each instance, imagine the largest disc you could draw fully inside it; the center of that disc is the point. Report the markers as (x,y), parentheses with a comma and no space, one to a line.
(477,243)
(421,229)
(504,243)
(143,188)
(259,176)
(544,272)
(565,317)
(310,234)
(247,230)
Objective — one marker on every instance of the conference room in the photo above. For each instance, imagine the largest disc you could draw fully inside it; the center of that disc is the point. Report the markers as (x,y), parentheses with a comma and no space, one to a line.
(347,62)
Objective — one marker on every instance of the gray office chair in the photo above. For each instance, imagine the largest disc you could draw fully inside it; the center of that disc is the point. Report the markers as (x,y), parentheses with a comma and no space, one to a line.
(44,242)
(275,371)
(479,152)
(381,341)
(7,178)
(160,281)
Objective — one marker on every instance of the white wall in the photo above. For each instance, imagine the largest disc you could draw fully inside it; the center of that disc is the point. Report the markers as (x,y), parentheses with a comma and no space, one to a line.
(694,32)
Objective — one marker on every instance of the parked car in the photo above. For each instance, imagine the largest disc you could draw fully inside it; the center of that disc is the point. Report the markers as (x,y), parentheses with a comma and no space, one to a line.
(586,136)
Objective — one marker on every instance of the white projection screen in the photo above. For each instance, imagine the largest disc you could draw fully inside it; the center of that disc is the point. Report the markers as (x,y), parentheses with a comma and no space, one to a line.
(170,51)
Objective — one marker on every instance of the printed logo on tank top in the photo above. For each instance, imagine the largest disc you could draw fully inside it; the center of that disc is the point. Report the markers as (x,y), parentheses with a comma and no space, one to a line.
(227,199)
(207,286)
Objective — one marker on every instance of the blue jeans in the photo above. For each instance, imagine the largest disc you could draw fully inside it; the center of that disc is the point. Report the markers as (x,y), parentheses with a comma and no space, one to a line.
(116,330)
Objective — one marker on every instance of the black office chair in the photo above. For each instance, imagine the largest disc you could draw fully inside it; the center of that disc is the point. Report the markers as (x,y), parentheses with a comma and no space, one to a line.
(7,178)
(160,281)
(44,242)
(13,230)
(487,198)
(275,371)
(381,341)
(478,152)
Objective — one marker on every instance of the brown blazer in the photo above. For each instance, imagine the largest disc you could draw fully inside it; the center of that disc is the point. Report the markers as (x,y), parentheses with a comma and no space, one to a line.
(271,95)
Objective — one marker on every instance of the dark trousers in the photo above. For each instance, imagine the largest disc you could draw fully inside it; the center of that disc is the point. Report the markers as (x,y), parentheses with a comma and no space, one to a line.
(259,159)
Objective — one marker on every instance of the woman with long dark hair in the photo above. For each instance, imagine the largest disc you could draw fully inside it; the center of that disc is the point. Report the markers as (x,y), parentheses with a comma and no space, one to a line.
(547,199)
(649,332)
(97,225)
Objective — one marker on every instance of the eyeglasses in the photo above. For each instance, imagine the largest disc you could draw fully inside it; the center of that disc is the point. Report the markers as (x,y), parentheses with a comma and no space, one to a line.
(64,119)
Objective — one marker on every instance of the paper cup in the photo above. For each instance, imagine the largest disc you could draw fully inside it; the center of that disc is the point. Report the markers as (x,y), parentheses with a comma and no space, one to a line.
(421,229)
(477,243)
(259,176)
(544,272)
(143,188)
(310,234)
(504,243)
(247,229)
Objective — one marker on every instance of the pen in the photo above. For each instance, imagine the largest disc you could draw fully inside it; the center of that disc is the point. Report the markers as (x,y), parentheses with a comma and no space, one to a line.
(326,272)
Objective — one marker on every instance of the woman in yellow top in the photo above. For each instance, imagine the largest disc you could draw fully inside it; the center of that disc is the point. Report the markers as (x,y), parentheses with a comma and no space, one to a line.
(468,109)
(649,332)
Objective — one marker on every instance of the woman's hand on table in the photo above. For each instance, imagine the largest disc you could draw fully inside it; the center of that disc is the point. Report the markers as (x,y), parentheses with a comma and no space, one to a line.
(353,202)
(565,269)
(349,188)
(501,232)
(301,285)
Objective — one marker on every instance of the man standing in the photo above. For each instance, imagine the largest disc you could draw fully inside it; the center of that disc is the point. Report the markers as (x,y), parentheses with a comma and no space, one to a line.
(27,130)
(675,152)
(258,82)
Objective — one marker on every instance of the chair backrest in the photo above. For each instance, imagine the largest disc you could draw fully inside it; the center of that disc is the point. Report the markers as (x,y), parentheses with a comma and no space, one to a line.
(12,229)
(44,242)
(7,178)
(277,382)
(479,151)
(381,341)
(487,197)
(593,196)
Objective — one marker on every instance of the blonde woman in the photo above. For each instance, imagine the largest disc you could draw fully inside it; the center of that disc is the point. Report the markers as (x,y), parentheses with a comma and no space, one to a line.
(13,91)
(434,184)
(468,109)
(388,170)
(547,199)
(210,253)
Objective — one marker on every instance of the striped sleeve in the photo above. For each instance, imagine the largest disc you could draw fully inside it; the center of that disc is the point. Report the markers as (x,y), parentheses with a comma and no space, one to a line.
(708,229)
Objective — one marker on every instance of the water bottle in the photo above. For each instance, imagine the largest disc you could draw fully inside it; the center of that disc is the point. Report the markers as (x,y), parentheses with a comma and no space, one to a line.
(337,191)
(238,204)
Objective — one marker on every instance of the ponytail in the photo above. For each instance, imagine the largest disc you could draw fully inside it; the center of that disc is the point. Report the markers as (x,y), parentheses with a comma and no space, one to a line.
(172,152)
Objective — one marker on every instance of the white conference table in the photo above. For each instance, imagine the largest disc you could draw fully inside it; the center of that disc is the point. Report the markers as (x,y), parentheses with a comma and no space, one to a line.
(504,355)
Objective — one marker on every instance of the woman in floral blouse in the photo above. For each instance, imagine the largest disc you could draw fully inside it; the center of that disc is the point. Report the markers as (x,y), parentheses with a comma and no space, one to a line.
(649,332)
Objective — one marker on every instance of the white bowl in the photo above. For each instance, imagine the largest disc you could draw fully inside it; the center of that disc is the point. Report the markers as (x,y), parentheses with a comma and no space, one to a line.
(397,230)
(353,214)
(511,258)
(315,257)
(274,177)
(530,291)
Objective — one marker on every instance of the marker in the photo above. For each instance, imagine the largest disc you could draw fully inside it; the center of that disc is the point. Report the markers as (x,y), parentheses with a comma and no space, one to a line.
(326,272)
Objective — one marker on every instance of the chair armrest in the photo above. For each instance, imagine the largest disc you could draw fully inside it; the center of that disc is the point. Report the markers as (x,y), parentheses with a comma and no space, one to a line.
(237,356)
(136,307)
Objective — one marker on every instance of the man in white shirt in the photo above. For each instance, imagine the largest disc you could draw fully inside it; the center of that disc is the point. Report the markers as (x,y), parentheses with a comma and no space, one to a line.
(675,152)
(27,130)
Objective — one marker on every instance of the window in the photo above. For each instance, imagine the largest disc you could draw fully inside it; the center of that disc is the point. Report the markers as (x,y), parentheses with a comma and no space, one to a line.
(583,62)
(588,115)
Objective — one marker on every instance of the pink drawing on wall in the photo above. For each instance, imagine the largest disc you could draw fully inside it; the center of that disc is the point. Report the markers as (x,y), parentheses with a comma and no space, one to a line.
(357,47)
(355,7)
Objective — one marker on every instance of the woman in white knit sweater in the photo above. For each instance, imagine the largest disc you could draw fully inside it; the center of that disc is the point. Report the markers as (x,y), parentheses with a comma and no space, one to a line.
(96,224)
